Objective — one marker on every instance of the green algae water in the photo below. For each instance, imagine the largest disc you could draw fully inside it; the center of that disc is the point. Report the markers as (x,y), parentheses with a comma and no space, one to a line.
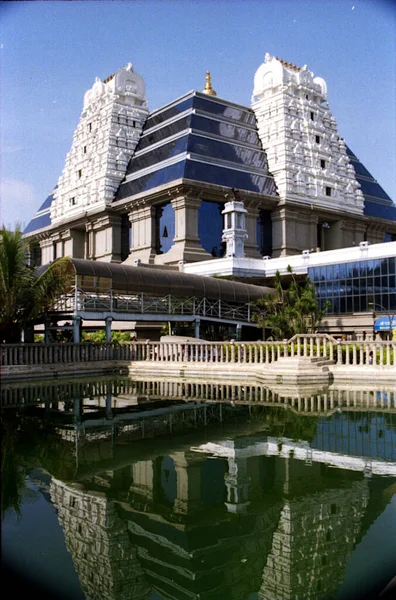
(117,489)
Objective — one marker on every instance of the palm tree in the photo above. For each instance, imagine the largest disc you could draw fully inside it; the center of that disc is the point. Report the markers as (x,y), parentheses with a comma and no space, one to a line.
(293,309)
(25,292)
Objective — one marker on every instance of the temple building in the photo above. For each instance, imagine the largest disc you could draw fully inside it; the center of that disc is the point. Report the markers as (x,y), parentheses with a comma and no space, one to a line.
(211,188)
(153,185)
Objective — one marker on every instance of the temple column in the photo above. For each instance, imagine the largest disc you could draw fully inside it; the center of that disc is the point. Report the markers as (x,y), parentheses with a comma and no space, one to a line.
(251,243)
(292,231)
(376,233)
(186,243)
(238,484)
(188,474)
(143,235)
(46,246)
(89,241)
(106,239)
(143,479)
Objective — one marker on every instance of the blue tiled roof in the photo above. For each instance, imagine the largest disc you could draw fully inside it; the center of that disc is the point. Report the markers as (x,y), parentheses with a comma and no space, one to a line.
(203,139)
(42,218)
(377,203)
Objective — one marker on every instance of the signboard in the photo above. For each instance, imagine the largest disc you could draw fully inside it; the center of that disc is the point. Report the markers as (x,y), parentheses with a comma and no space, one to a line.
(385,323)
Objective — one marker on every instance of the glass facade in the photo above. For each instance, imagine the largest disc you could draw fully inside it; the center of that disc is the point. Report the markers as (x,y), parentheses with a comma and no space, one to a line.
(164,228)
(216,143)
(42,218)
(264,233)
(381,211)
(363,286)
(210,227)
(161,134)
(169,113)
(377,203)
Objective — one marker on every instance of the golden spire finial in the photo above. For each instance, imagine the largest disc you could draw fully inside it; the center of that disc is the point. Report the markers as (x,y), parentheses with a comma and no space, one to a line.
(208,86)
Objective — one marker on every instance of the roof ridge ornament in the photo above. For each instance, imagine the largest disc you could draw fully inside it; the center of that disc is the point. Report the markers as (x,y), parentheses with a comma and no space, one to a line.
(208,86)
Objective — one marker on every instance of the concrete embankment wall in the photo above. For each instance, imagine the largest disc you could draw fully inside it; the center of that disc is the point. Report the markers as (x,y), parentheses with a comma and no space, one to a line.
(275,373)
(49,371)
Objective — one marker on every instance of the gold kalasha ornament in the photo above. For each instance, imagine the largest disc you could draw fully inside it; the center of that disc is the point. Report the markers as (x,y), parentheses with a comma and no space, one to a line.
(208,86)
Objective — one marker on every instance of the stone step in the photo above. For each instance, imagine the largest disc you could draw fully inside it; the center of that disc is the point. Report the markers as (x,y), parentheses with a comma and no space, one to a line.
(320,362)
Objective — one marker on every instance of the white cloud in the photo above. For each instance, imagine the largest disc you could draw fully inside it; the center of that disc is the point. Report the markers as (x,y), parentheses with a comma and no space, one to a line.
(18,202)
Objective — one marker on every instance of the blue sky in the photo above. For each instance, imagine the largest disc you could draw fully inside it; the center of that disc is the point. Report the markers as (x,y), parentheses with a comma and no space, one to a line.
(51,52)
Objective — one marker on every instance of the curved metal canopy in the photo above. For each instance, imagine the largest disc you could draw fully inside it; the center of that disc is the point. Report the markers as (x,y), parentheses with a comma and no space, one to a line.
(129,279)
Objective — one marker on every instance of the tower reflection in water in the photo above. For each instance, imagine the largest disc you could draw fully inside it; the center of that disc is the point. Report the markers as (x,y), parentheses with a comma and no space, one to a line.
(219,501)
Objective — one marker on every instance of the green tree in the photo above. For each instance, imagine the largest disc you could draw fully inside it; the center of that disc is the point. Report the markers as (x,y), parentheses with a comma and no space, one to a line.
(293,309)
(25,292)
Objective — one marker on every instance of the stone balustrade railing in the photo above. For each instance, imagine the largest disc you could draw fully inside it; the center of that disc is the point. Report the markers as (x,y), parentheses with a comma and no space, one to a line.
(36,354)
(314,347)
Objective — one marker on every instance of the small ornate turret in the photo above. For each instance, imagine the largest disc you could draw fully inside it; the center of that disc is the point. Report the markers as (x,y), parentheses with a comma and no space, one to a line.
(234,232)
(208,86)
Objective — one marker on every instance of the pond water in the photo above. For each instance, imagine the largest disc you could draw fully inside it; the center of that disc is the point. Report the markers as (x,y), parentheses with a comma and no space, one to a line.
(118,489)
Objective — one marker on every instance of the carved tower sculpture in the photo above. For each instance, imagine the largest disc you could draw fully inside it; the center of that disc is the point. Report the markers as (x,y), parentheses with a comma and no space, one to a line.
(113,115)
(306,155)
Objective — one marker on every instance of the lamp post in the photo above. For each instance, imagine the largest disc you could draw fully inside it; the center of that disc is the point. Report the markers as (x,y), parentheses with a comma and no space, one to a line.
(391,316)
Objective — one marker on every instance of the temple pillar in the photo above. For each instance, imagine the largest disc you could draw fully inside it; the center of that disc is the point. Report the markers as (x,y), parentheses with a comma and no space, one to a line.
(186,243)
(188,474)
(46,245)
(238,484)
(106,242)
(293,231)
(143,235)
(89,251)
(351,233)
(376,233)
(143,478)
(251,244)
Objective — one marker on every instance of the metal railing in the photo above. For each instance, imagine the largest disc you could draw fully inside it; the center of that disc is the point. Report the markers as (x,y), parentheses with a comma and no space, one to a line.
(83,301)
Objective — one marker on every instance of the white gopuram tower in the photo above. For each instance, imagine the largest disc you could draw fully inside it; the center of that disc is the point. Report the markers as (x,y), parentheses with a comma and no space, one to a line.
(110,125)
(234,232)
(305,154)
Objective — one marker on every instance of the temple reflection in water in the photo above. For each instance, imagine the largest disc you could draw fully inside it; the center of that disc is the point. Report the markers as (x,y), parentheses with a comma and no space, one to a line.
(218,500)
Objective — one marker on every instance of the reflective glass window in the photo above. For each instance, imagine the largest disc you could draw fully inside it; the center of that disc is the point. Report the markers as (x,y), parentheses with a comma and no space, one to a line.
(169,113)
(229,112)
(158,154)
(229,152)
(372,188)
(375,209)
(163,133)
(392,299)
(360,169)
(229,178)
(210,227)
(150,181)
(38,223)
(264,233)
(164,228)
(227,130)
